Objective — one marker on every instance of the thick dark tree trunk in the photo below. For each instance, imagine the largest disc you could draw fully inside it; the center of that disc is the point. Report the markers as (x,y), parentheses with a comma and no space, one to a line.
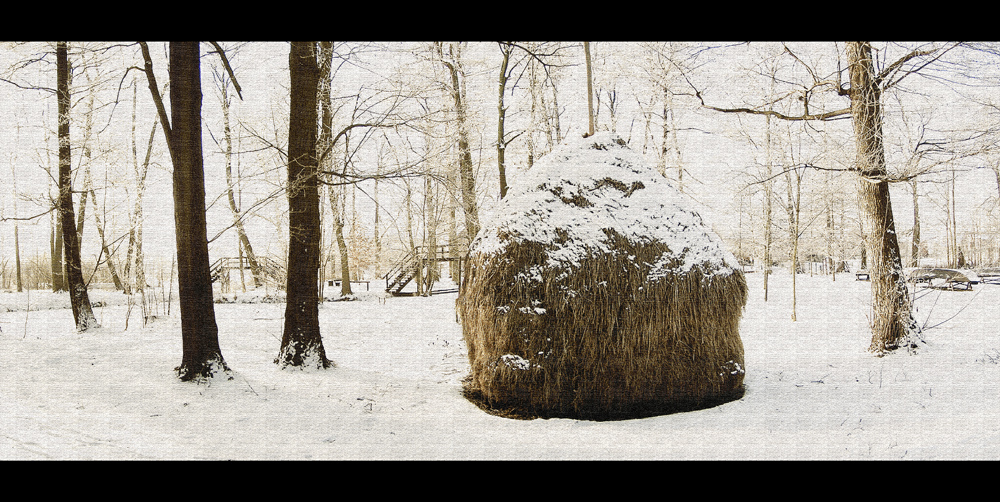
(202,357)
(891,321)
(80,301)
(301,343)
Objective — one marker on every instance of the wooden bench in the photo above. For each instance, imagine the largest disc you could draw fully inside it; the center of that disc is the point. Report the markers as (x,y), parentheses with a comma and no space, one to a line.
(861,275)
(336,282)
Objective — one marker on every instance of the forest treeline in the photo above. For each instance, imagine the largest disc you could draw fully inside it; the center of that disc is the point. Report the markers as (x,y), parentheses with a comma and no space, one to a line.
(324,160)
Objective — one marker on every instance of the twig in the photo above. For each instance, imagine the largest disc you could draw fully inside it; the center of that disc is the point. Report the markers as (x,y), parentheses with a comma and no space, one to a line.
(248,385)
(225,62)
(27,310)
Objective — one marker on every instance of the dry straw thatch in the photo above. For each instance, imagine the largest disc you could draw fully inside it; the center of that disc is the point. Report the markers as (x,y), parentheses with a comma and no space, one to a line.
(594,294)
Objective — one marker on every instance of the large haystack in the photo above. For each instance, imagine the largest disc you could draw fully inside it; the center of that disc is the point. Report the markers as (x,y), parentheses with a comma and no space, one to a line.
(594,294)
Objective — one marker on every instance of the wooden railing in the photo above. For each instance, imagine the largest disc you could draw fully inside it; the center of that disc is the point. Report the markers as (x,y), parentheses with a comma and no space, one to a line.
(410,265)
(270,268)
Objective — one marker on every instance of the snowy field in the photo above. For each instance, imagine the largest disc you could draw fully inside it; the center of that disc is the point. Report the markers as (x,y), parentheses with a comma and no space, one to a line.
(813,392)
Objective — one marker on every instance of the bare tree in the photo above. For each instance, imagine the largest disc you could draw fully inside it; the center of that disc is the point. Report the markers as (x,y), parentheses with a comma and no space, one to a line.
(453,62)
(516,59)
(301,343)
(202,356)
(83,315)
(245,248)
(13,181)
(891,321)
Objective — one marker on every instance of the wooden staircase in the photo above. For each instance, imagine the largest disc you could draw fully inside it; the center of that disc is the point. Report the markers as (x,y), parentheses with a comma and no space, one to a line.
(272,270)
(407,268)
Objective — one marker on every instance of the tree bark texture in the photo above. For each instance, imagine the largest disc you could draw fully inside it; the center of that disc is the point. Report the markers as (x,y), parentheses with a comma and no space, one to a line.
(338,230)
(17,261)
(915,244)
(89,187)
(467,177)
(301,343)
(891,321)
(325,64)
(202,357)
(505,51)
(244,241)
(590,90)
(83,315)
(56,246)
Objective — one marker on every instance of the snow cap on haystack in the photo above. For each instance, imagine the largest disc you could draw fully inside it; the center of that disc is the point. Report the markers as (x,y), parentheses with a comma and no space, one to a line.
(594,293)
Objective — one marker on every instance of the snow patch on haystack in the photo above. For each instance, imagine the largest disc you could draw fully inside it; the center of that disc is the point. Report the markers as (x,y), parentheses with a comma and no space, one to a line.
(589,189)
(594,293)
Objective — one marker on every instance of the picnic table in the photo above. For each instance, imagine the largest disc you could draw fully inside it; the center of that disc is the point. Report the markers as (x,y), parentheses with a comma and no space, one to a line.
(861,275)
(989,275)
(941,278)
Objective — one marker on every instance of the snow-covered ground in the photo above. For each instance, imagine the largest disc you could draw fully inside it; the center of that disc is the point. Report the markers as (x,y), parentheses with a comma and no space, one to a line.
(813,392)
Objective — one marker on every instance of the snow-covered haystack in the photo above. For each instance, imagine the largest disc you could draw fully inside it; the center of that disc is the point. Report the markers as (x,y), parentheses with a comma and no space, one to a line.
(595,294)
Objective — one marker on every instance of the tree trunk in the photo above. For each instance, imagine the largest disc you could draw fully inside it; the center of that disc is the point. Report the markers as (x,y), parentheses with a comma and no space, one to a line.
(669,141)
(555,114)
(134,254)
(430,241)
(418,274)
(505,50)
(954,224)
(891,321)
(244,241)
(453,240)
(345,262)
(533,89)
(915,244)
(56,247)
(80,301)
(17,258)
(465,168)
(323,148)
(334,193)
(135,239)
(792,223)
(17,244)
(768,216)
(301,343)
(375,234)
(88,127)
(590,90)
(89,187)
(795,242)
(202,357)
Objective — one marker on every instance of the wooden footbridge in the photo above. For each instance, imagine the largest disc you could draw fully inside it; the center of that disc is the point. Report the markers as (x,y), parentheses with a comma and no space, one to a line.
(271,270)
(420,258)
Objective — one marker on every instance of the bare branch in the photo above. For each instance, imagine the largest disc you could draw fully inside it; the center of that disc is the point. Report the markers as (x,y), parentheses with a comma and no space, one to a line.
(884,77)
(806,116)
(225,62)
(28,218)
(157,99)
